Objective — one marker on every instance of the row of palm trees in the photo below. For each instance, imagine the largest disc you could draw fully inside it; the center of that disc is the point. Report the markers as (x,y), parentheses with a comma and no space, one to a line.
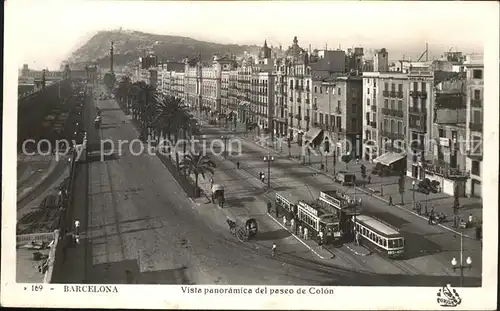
(164,117)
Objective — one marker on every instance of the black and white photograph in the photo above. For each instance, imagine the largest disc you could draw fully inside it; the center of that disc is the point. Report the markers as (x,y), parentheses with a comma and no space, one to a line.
(268,155)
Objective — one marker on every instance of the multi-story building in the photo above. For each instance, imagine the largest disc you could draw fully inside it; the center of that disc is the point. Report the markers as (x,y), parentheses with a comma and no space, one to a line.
(419,129)
(474,66)
(385,102)
(381,61)
(446,160)
(262,100)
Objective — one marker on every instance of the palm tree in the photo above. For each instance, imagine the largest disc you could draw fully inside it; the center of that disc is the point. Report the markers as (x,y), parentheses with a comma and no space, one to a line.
(197,164)
(145,106)
(124,86)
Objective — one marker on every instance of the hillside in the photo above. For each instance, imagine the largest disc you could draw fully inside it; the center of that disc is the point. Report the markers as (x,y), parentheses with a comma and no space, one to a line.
(130,45)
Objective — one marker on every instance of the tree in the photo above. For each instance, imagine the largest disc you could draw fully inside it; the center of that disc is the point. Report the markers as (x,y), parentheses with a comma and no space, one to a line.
(346,158)
(197,164)
(401,184)
(146,104)
(109,81)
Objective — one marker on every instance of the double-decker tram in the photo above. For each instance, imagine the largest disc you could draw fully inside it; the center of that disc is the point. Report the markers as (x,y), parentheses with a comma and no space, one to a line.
(382,237)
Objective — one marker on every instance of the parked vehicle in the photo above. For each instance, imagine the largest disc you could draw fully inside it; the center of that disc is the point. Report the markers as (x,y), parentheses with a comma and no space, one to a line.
(427,186)
(345,178)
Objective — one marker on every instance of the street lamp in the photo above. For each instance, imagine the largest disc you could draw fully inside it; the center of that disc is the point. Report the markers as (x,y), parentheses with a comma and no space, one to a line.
(461,266)
(268,159)
(413,188)
(224,138)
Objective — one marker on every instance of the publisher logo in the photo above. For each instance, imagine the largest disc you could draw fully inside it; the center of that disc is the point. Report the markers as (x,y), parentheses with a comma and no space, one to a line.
(448,297)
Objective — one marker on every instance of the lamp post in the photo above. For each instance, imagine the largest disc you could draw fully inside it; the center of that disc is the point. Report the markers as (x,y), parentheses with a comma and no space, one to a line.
(460,265)
(413,188)
(224,138)
(268,159)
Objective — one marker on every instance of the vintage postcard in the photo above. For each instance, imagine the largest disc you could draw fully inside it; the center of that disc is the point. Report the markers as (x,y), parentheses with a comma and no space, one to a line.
(250,155)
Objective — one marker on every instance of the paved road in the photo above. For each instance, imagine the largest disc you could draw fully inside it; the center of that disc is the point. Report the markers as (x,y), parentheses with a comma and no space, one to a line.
(430,248)
(139,227)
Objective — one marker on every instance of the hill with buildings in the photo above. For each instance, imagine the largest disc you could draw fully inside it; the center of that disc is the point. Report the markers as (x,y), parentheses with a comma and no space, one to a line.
(130,45)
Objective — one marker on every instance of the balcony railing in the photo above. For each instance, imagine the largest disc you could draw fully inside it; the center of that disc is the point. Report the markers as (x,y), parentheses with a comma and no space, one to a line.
(291,99)
(476,103)
(338,110)
(399,94)
(417,111)
(417,128)
(385,93)
(476,127)
(393,113)
(422,94)
(443,170)
(374,108)
(373,124)
(298,117)
(290,114)
(392,94)
(392,135)
(308,89)
(413,94)
(315,107)
(307,101)
(299,100)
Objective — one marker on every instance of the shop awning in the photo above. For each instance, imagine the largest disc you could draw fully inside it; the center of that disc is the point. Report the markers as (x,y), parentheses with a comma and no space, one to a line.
(243,103)
(311,135)
(389,158)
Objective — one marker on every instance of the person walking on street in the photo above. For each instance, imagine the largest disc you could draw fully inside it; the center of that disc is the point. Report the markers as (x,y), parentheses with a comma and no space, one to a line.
(77,227)
(369,179)
(237,164)
(292,224)
(390,201)
(471,220)
(320,235)
(300,231)
(305,233)
(284,220)
(274,249)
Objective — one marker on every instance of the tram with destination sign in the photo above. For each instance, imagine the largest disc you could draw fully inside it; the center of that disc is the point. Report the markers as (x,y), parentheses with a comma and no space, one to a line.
(380,236)
(318,220)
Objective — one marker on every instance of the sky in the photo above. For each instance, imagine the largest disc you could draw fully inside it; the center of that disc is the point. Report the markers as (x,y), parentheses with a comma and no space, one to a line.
(46,32)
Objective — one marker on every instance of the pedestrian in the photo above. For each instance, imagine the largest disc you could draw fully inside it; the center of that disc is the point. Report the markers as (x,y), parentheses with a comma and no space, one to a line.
(320,235)
(430,219)
(471,220)
(305,233)
(276,211)
(390,201)
(369,178)
(237,164)
(274,249)
(77,227)
(419,209)
(357,160)
(292,224)
(300,231)
(432,211)
(284,220)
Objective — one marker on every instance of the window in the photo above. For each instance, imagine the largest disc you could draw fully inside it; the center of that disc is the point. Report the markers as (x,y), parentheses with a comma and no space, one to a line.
(368,101)
(354,123)
(374,83)
(354,108)
(393,104)
(393,87)
(477,74)
(386,86)
(315,89)
(415,86)
(477,94)
(400,128)
(476,117)
(368,90)
(400,105)
(332,120)
(441,133)
(339,122)
(386,103)
(315,101)
(339,91)
(424,86)
(374,102)
(475,168)
(338,104)
(400,88)
(321,118)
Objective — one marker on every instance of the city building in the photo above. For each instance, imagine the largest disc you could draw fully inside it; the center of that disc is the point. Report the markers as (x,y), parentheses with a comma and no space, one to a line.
(474,66)
(385,102)
(381,61)
(446,160)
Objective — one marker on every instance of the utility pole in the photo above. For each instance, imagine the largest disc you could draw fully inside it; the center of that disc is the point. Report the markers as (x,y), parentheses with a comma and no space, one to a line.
(111,55)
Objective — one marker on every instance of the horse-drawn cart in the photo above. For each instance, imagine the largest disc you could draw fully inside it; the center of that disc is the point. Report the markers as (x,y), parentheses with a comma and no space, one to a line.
(243,233)
(218,195)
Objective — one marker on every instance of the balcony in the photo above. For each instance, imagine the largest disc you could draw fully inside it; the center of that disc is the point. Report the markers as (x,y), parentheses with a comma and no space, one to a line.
(315,107)
(374,108)
(476,103)
(417,111)
(291,99)
(385,93)
(476,127)
(392,94)
(392,135)
(291,87)
(290,115)
(298,117)
(414,94)
(308,101)
(338,110)
(418,128)
(307,118)
(299,100)
(417,146)
(308,89)
(373,124)
(392,113)
(399,94)
(442,169)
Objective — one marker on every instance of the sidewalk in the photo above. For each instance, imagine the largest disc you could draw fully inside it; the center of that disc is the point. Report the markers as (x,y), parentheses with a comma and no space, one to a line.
(383,187)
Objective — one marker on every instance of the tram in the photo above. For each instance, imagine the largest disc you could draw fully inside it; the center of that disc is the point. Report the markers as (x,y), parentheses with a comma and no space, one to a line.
(382,237)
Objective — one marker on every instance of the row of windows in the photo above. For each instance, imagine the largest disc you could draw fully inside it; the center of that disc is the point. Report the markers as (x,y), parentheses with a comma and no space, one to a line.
(311,222)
